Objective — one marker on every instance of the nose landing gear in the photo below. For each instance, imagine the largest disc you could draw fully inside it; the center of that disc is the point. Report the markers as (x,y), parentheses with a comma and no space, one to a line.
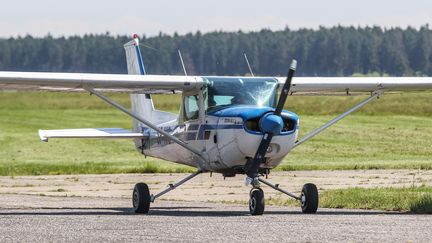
(308,197)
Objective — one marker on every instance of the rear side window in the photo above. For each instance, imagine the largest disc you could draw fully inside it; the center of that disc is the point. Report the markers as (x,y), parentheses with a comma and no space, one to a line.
(191,108)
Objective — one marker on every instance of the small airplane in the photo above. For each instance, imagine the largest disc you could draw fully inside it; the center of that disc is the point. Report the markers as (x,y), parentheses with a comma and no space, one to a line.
(227,124)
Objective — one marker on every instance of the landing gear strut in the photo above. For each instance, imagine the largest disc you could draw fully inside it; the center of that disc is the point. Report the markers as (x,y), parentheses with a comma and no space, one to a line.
(141,197)
(308,197)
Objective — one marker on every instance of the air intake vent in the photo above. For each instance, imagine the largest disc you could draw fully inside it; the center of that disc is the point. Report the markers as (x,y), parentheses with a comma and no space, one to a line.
(289,125)
(253,124)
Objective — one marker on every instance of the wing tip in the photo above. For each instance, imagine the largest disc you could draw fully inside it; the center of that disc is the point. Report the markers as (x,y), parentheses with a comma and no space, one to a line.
(42,136)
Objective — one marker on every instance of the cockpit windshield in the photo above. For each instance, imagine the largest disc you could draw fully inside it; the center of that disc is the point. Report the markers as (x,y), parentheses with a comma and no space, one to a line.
(227,91)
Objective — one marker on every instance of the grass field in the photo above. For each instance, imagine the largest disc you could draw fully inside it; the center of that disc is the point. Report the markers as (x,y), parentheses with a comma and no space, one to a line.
(413,199)
(392,132)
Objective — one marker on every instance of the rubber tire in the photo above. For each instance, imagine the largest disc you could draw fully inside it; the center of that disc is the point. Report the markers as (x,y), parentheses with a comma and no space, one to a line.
(141,198)
(310,192)
(256,201)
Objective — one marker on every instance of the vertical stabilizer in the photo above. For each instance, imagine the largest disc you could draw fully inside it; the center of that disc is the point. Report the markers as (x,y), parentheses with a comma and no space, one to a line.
(142,104)
(134,60)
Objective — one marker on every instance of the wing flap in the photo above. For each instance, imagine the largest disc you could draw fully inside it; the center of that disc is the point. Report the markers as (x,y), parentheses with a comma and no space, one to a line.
(89,133)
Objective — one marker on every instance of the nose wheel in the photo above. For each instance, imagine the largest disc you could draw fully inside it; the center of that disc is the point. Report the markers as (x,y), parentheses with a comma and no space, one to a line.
(256,201)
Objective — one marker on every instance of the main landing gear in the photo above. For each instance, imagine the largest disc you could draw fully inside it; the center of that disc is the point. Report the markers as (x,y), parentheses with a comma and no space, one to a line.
(308,197)
(141,197)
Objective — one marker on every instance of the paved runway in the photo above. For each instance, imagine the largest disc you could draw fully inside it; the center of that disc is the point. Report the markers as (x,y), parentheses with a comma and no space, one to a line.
(41,218)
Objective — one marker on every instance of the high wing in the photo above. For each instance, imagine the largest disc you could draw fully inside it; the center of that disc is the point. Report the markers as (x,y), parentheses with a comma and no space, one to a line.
(329,85)
(163,83)
(111,82)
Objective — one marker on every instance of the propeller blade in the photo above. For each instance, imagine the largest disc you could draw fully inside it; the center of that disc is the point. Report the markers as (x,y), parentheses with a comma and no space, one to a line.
(253,164)
(286,88)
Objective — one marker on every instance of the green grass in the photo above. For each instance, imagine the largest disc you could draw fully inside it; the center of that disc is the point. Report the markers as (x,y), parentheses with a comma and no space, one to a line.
(22,153)
(415,200)
(393,132)
(91,168)
(365,142)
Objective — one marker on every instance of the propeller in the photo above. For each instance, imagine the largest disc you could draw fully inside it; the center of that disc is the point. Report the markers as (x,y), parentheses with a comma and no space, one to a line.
(270,124)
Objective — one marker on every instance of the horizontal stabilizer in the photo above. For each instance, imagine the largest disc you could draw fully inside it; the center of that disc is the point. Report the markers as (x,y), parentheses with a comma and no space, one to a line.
(89,133)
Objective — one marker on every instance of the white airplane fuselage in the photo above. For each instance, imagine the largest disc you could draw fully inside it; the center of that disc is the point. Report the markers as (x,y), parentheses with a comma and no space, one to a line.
(226,138)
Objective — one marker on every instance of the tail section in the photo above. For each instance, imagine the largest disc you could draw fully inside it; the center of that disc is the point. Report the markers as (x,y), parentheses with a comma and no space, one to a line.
(134,60)
(142,104)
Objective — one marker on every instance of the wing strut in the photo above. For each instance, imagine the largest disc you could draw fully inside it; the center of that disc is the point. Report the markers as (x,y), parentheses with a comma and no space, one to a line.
(149,124)
(340,117)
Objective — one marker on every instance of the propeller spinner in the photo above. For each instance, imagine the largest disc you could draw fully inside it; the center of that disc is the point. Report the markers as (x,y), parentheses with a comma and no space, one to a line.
(271,124)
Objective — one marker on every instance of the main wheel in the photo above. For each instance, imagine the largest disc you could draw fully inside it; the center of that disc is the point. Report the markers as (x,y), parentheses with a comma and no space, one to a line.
(256,201)
(309,198)
(141,198)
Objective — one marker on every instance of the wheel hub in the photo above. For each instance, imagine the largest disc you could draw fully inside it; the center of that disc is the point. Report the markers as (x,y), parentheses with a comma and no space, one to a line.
(135,198)
(252,203)
(303,199)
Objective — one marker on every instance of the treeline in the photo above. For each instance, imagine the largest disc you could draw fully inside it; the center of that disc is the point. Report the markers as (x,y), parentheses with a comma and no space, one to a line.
(336,51)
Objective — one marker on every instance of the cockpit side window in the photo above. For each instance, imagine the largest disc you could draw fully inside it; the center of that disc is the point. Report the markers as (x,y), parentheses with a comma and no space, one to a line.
(191,107)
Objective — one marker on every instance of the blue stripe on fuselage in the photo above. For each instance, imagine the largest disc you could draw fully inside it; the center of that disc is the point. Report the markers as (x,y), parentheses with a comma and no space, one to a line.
(208,127)
(199,134)
(191,134)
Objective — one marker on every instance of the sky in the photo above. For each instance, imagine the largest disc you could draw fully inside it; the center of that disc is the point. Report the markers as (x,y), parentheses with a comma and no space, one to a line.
(78,17)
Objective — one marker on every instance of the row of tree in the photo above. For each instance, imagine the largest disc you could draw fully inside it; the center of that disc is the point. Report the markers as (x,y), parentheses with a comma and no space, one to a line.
(336,51)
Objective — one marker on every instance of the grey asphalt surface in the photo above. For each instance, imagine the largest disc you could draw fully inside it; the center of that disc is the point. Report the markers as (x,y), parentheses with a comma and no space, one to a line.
(26,218)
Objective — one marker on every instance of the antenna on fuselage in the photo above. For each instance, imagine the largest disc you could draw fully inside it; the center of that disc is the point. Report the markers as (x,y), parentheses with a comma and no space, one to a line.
(181,59)
(249,66)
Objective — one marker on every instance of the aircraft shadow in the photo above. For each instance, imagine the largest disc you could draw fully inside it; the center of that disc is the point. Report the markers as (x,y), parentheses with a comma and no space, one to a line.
(173,212)
(218,213)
